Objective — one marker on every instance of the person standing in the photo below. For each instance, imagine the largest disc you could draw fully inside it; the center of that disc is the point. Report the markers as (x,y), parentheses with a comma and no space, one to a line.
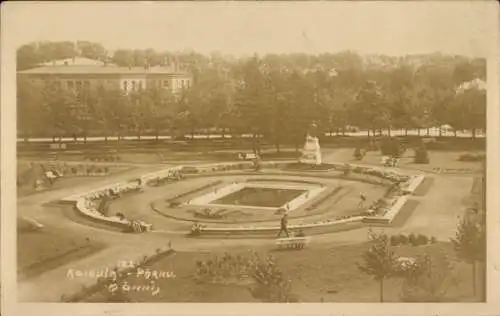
(284,225)
(362,199)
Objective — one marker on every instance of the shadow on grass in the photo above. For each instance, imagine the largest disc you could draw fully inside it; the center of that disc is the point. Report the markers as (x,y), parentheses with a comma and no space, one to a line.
(405,213)
(424,187)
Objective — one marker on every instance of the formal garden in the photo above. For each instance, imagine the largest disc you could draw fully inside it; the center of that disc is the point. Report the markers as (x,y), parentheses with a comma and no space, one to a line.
(408,138)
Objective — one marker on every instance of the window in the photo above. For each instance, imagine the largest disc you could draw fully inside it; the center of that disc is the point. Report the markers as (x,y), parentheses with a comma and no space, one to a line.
(78,85)
(182,83)
(165,83)
(134,85)
(188,83)
(125,85)
(86,84)
(71,84)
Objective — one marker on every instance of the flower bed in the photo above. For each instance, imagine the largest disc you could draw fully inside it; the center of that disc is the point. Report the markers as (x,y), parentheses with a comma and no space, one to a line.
(324,198)
(168,177)
(384,214)
(86,202)
(175,198)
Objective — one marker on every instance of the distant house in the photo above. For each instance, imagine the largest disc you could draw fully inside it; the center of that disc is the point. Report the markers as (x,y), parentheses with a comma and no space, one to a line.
(82,73)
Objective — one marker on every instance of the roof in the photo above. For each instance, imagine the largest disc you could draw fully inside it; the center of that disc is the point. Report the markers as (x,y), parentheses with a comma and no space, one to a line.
(99,69)
(77,61)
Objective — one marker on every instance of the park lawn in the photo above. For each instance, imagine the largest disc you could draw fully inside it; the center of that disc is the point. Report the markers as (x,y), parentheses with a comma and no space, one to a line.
(438,159)
(323,272)
(50,248)
(265,197)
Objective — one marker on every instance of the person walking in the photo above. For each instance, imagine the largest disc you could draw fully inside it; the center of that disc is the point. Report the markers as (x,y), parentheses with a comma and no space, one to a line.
(284,225)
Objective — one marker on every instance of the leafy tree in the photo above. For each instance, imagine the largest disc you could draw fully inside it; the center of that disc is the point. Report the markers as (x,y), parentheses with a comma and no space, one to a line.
(470,110)
(91,50)
(470,244)
(379,261)
(28,56)
(123,57)
(31,118)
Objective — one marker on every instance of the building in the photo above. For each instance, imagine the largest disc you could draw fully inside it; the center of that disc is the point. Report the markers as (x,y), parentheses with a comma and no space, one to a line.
(81,73)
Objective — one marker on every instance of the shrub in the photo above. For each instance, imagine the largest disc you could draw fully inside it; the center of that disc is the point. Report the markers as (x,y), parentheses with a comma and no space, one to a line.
(412,240)
(421,155)
(471,157)
(395,240)
(189,170)
(174,204)
(433,240)
(391,147)
(358,153)
(422,240)
(271,285)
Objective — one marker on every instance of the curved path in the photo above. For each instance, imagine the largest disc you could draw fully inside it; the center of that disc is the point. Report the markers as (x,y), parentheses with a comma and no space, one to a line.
(436,215)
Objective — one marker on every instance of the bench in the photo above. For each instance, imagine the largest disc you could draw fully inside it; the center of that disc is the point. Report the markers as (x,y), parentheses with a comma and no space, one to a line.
(247,156)
(292,242)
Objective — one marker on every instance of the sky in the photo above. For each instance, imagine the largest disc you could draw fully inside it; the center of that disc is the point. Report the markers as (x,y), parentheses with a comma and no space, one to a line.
(244,28)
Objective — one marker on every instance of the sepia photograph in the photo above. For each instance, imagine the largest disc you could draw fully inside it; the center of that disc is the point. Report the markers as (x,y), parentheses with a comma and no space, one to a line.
(224,152)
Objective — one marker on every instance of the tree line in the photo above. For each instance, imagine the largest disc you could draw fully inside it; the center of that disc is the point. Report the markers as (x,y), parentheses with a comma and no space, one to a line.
(272,97)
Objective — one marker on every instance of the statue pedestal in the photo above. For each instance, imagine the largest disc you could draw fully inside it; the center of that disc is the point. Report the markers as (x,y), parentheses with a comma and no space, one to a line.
(311,154)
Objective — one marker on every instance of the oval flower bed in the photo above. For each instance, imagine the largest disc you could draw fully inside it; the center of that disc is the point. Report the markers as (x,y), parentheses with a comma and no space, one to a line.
(408,184)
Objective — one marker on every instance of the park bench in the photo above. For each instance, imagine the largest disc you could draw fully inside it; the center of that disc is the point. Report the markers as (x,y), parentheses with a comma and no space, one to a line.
(247,156)
(292,242)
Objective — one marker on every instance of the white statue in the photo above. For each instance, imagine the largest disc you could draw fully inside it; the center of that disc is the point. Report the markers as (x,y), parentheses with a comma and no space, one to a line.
(311,154)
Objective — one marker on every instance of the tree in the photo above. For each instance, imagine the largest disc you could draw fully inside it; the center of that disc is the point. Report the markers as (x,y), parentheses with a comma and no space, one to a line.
(470,244)
(369,110)
(379,261)
(469,110)
(30,116)
(123,57)
(28,56)
(58,107)
(91,50)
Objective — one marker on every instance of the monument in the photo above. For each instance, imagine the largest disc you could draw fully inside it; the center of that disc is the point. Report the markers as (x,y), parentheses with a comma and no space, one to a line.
(311,154)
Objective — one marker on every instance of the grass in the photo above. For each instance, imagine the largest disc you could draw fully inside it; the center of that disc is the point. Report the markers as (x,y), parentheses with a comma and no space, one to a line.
(50,248)
(318,273)
(405,213)
(263,197)
(424,187)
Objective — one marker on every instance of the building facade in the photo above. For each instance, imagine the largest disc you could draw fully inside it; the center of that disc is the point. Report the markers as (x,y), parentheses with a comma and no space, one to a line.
(75,74)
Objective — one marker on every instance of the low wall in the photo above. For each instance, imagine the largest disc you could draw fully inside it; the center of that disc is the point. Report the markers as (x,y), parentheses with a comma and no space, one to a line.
(272,231)
(83,206)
